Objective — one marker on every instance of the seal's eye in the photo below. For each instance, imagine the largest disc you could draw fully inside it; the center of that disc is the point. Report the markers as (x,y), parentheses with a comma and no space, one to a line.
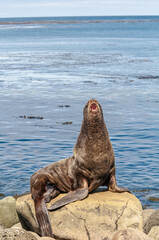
(93,106)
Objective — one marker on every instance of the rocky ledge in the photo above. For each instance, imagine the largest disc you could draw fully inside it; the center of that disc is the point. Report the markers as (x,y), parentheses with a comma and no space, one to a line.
(101,216)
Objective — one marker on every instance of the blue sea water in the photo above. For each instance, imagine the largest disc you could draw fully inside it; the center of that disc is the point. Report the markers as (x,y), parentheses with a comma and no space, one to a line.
(47,63)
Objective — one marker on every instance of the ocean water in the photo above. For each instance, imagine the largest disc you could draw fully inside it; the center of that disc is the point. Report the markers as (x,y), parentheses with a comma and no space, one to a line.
(50,68)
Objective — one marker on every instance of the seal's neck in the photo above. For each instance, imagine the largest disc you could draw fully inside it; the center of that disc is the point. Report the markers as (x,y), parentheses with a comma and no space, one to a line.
(93,138)
(95,128)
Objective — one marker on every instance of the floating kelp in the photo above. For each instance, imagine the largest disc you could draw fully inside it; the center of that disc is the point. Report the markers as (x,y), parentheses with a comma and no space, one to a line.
(65,123)
(31,117)
(148,77)
(61,106)
(89,82)
(142,190)
(153,199)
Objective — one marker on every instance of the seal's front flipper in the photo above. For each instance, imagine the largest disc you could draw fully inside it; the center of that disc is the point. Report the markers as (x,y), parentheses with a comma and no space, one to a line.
(70,197)
(119,189)
(112,186)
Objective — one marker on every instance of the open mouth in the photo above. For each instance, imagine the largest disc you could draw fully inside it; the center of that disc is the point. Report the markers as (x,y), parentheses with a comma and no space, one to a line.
(93,107)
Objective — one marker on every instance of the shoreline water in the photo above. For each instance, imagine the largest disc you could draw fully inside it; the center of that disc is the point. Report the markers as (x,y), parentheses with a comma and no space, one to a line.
(42,68)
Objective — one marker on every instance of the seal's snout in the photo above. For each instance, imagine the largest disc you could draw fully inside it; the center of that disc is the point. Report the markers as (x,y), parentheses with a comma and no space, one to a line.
(93,106)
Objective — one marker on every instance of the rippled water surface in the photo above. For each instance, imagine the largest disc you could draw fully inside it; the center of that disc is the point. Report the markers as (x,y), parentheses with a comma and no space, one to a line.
(48,71)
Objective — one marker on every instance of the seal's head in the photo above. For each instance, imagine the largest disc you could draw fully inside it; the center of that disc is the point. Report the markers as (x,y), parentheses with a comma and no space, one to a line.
(93,111)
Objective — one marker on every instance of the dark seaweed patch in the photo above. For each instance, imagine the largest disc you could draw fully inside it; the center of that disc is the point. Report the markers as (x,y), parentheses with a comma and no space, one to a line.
(31,117)
(148,77)
(61,106)
(65,123)
(89,82)
(153,199)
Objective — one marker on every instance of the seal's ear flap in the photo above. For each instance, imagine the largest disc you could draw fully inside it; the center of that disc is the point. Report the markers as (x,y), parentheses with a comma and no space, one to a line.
(72,196)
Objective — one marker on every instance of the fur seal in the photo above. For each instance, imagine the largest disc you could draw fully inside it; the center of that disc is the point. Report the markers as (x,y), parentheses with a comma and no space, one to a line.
(92,165)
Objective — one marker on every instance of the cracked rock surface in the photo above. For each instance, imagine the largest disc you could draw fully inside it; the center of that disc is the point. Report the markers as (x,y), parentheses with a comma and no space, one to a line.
(96,217)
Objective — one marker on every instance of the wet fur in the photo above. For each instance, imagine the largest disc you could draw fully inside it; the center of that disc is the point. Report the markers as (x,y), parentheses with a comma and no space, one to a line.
(92,165)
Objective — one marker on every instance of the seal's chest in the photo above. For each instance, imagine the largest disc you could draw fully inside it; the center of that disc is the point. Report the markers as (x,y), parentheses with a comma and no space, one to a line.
(99,168)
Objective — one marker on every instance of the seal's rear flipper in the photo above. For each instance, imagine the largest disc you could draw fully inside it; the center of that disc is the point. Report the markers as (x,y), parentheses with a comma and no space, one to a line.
(43,218)
(70,197)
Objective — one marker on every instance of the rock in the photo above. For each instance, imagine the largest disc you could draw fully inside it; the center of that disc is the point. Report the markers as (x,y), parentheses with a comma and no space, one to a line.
(25,210)
(152,221)
(42,238)
(46,238)
(130,234)
(35,234)
(146,214)
(154,233)
(16,234)
(17,225)
(91,218)
(1,227)
(8,214)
